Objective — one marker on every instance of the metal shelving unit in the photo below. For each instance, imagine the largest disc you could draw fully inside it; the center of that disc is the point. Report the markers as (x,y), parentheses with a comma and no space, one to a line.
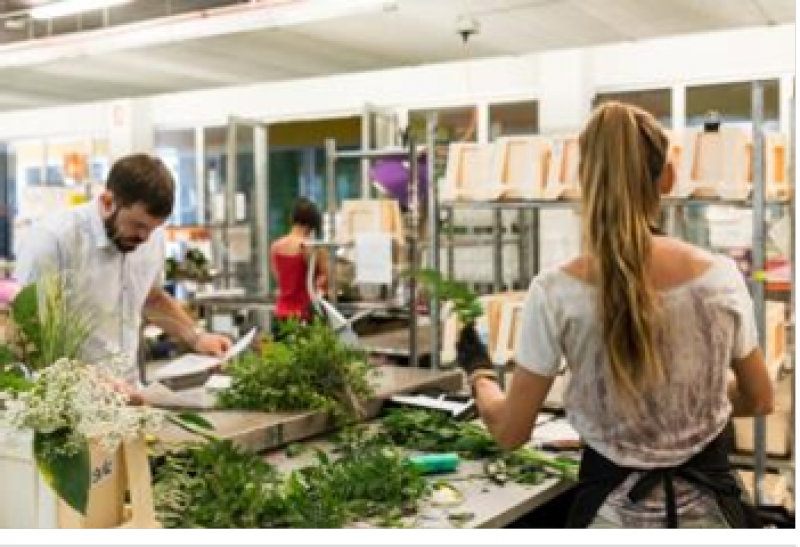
(412,151)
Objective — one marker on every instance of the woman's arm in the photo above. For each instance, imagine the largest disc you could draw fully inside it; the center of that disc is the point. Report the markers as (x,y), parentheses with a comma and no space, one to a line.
(750,388)
(510,417)
(321,273)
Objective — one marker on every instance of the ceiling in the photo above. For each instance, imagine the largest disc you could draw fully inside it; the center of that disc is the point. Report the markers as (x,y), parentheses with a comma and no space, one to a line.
(78,67)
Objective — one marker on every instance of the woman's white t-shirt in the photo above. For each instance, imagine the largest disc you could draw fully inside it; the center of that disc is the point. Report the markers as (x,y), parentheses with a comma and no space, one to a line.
(708,322)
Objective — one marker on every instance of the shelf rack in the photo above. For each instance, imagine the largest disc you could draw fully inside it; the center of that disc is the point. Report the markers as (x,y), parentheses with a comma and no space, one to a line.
(412,152)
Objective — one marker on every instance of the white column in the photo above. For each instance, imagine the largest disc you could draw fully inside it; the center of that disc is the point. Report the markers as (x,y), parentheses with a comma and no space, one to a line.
(131,128)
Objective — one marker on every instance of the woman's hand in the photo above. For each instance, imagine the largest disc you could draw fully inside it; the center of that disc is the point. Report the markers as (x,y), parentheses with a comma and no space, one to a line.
(471,353)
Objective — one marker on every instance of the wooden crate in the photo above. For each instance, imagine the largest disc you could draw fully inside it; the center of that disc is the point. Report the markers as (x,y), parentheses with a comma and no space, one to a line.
(520,167)
(775,159)
(468,173)
(715,164)
(562,178)
(776,338)
(510,322)
(359,216)
(490,321)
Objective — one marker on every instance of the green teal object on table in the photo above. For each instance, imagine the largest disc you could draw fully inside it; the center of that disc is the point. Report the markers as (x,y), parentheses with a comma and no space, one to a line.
(435,463)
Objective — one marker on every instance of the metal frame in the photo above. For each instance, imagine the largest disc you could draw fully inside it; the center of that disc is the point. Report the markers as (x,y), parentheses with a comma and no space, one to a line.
(260,195)
(413,152)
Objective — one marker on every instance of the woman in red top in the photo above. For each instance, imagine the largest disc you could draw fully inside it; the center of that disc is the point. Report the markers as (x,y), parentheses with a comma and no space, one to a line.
(289,257)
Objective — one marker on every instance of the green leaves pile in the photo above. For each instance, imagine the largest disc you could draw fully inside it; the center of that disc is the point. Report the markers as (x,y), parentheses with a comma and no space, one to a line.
(216,485)
(434,431)
(466,303)
(309,369)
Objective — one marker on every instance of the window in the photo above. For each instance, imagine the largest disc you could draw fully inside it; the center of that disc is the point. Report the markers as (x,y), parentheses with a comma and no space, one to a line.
(518,118)
(7,201)
(453,124)
(657,102)
(733,102)
(176,148)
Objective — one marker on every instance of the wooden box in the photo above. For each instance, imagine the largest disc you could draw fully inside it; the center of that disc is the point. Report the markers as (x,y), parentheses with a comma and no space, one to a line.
(716,164)
(490,321)
(359,216)
(28,502)
(520,167)
(562,178)
(468,172)
(775,159)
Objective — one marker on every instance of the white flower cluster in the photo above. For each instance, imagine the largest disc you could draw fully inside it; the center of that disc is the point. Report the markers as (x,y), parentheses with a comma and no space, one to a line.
(72,396)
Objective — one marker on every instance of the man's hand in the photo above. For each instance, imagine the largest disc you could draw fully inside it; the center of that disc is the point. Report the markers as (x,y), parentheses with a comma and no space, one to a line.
(211,344)
(133,397)
(471,353)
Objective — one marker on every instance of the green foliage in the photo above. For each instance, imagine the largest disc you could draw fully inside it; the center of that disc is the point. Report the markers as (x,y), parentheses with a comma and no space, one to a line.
(12,381)
(194,267)
(67,473)
(309,369)
(430,431)
(214,485)
(49,325)
(434,431)
(466,303)
(217,485)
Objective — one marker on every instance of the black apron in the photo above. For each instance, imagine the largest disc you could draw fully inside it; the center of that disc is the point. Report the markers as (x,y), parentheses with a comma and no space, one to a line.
(709,471)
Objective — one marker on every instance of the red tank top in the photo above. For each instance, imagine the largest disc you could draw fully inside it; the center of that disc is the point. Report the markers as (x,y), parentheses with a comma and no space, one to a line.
(293,297)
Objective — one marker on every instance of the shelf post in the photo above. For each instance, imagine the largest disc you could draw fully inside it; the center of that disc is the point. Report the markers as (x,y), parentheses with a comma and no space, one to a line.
(433,228)
(759,273)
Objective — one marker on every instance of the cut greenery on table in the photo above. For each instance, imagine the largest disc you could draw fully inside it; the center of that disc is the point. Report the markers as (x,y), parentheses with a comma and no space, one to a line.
(308,369)
(428,431)
(217,485)
(465,302)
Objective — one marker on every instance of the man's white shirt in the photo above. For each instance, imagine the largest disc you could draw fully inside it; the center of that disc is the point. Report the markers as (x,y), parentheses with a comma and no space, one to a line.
(109,285)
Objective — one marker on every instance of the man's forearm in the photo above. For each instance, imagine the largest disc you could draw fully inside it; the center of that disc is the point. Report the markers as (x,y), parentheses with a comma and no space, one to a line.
(165,312)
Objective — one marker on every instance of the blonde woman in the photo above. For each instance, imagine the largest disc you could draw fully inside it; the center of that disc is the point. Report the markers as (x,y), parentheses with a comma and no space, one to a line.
(660,338)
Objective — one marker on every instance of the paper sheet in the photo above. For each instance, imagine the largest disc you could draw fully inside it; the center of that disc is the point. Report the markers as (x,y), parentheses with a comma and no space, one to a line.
(373,258)
(192,363)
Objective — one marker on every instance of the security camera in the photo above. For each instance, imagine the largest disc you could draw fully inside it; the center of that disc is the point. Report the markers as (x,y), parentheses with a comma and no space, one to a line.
(466,26)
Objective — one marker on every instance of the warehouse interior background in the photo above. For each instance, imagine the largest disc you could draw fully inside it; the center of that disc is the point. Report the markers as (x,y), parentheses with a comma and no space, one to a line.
(193,80)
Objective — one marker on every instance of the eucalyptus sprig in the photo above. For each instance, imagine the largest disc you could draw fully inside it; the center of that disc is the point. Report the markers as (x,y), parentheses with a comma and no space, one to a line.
(434,431)
(465,302)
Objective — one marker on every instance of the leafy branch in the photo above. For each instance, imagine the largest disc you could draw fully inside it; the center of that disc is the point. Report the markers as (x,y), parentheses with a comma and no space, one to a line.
(310,368)
(465,302)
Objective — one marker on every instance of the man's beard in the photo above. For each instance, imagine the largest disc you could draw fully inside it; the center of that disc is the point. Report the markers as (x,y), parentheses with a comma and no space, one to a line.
(112,231)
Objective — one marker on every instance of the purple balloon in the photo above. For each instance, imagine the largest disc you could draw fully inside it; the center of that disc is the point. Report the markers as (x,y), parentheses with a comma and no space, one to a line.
(392,176)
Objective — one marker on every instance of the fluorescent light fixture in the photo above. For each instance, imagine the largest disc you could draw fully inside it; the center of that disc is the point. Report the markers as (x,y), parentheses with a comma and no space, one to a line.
(64,8)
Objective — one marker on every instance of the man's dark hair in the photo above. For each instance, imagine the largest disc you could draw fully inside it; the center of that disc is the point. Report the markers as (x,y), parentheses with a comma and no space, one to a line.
(140,178)
(306,214)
